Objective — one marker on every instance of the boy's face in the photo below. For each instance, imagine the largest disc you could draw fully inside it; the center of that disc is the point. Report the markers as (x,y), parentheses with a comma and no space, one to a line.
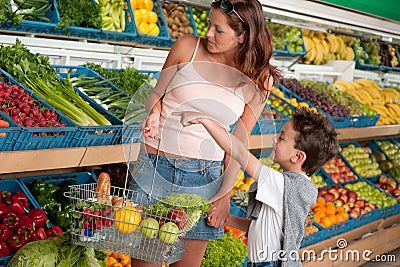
(284,144)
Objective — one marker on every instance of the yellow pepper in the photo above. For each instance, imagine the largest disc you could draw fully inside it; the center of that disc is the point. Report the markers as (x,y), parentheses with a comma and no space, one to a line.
(124,260)
(127,220)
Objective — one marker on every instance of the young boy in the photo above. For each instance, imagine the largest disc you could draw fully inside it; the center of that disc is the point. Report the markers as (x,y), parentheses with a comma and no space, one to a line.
(278,202)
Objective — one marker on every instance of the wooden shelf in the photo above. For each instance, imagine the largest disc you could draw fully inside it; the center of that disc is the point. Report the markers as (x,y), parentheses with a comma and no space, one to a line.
(379,237)
(60,158)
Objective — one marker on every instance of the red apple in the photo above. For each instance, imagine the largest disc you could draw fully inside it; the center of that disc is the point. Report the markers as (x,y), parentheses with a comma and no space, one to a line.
(360,203)
(334,192)
(347,207)
(339,202)
(355,212)
(322,192)
(329,197)
(179,217)
(391,182)
(352,196)
(344,198)
(382,179)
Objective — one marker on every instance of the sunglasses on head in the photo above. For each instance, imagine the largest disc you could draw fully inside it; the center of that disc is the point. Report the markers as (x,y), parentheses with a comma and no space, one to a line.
(227,6)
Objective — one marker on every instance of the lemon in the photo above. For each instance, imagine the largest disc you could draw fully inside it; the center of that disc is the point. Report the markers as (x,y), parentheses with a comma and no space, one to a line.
(140,4)
(133,4)
(145,14)
(153,29)
(143,28)
(152,17)
(127,220)
(138,17)
(148,4)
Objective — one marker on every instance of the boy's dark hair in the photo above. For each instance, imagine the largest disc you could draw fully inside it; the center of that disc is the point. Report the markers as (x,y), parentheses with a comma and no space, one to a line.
(316,137)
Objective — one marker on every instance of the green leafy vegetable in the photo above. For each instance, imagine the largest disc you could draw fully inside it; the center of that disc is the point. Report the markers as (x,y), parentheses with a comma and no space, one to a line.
(57,251)
(82,13)
(228,251)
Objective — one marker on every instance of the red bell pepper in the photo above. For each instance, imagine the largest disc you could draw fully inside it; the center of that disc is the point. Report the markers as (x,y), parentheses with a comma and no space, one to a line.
(4,249)
(11,220)
(38,216)
(40,234)
(54,231)
(16,206)
(3,209)
(4,232)
(21,197)
(15,242)
(5,196)
(26,220)
(26,231)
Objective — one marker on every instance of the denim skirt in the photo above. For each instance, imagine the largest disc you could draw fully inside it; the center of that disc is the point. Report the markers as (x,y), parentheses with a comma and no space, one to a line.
(159,176)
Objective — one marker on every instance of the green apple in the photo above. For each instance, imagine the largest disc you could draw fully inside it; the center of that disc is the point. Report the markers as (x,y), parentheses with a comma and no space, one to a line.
(169,232)
(149,227)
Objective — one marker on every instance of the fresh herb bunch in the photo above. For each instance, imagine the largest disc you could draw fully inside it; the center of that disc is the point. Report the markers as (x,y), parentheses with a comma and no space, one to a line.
(81,13)
(6,13)
(128,79)
(228,251)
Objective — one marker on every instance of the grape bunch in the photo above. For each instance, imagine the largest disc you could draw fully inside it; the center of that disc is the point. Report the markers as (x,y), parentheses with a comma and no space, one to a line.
(321,100)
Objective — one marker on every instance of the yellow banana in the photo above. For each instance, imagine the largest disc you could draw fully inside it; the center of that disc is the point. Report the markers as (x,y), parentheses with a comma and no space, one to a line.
(381,109)
(366,96)
(357,95)
(332,42)
(350,53)
(396,108)
(392,112)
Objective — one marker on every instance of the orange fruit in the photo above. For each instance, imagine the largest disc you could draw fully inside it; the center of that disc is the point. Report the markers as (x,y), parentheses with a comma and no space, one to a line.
(319,209)
(333,218)
(317,218)
(140,4)
(329,204)
(326,222)
(342,216)
(320,200)
(330,211)
(339,209)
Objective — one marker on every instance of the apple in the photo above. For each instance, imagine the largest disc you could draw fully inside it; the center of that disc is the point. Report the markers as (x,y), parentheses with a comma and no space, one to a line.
(355,212)
(149,227)
(382,179)
(329,197)
(347,207)
(334,192)
(322,192)
(360,203)
(344,198)
(169,232)
(179,217)
(352,196)
(339,202)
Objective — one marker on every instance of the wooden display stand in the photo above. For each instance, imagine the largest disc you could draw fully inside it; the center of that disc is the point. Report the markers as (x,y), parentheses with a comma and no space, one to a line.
(378,237)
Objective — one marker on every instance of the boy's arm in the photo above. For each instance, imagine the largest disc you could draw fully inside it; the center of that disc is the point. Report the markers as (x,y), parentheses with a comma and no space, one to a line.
(228,142)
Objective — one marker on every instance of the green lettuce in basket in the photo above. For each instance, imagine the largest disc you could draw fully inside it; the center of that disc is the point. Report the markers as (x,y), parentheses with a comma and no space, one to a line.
(194,206)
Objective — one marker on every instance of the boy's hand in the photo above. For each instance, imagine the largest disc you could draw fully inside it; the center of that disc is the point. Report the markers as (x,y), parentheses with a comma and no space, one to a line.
(189,117)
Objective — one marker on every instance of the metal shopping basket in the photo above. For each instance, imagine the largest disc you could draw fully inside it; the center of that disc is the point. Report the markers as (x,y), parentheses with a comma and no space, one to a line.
(132,223)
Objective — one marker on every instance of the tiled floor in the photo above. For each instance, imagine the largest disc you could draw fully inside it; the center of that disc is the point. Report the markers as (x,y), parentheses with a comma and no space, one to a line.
(396,253)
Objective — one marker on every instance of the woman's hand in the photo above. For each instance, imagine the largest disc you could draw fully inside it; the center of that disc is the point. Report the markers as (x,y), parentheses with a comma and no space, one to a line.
(150,125)
(220,212)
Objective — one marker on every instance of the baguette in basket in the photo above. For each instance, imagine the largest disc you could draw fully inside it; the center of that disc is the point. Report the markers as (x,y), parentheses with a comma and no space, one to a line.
(103,188)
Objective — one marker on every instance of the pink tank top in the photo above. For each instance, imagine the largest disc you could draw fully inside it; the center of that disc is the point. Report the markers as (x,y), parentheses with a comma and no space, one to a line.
(194,88)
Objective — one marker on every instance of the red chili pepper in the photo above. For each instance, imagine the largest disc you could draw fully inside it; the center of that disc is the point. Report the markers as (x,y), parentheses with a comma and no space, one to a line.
(54,231)
(21,197)
(4,249)
(4,232)
(15,242)
(40,234)
(11,219)
(16,206)
(38,216)
(25,231)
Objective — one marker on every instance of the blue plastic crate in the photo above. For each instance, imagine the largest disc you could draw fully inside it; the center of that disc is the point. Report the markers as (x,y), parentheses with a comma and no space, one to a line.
(56,179)
(315,237)
(93,135)
(14,185)
(337,122)
(11,133)
(163,39)
(376,147)
(39,26)
(41,137)
(237,210)
(270,126)
(365,121)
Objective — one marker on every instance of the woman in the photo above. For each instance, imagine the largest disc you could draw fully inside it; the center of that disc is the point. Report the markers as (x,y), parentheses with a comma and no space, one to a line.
(226,75)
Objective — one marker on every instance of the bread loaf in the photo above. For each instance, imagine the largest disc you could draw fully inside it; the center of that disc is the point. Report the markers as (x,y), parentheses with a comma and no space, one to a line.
(103,188)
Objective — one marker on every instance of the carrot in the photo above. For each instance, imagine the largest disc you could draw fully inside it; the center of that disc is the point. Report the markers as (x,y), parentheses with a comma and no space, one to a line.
(4,124)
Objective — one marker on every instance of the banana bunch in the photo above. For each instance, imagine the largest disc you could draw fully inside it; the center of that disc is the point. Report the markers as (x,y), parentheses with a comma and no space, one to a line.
(383,100)
(113,15)
(322,47)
